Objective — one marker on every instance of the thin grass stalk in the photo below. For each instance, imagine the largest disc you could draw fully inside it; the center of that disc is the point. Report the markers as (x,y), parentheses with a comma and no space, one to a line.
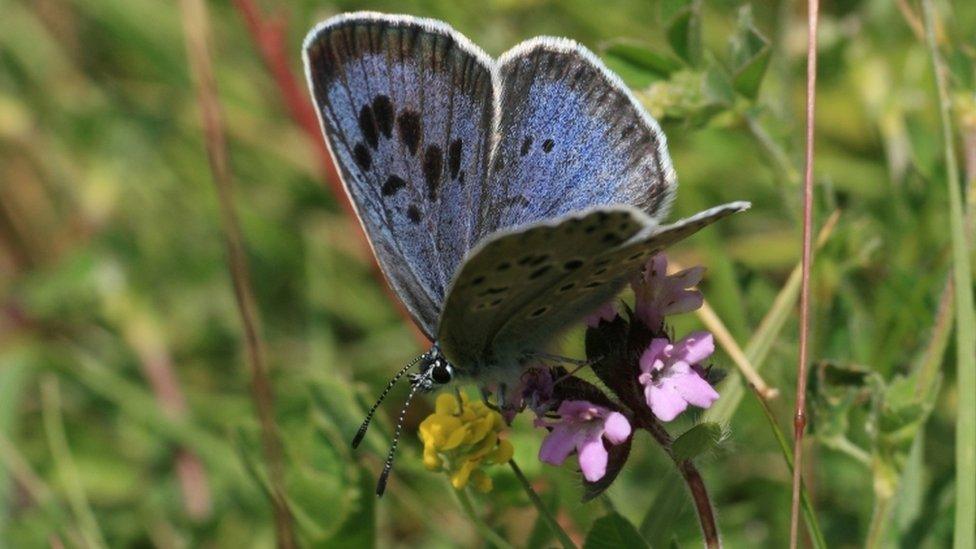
(65,465)
(195,24)
(799,415)
(490,535)
(540,506)
(809,515)
(964,530)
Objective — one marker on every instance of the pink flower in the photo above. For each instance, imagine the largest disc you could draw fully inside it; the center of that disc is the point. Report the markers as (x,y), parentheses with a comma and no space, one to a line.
(534,390)
(583,426)
(671,378)
(659,295)
(605,313)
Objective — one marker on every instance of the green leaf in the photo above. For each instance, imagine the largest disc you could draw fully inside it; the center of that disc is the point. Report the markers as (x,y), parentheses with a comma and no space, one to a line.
(611,532)
(670,502)
(683,29)
(696,441)
(750,55)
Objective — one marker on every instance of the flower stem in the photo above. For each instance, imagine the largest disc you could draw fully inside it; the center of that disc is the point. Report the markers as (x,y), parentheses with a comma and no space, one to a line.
(557,530)
(696,485)
(703,505)
(483,529)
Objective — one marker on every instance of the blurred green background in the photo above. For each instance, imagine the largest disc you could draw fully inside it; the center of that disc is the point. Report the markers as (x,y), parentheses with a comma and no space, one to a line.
(126,417)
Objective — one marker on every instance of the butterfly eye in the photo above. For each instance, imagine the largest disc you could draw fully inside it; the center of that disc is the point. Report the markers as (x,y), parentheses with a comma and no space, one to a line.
(442,373)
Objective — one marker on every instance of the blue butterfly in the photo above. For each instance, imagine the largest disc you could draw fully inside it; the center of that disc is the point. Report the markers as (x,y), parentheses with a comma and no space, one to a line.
(504,199)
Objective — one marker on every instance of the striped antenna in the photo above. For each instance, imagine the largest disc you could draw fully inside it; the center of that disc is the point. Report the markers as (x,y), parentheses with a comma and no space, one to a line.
(389,387)
(388,466)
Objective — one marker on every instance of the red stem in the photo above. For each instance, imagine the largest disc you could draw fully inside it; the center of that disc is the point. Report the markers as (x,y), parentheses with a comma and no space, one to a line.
(799,416)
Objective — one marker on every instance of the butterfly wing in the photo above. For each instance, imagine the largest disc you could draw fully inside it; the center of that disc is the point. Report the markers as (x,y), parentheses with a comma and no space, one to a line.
(406,106)
(511,268)
(571,136)
(575,294)
(520,288)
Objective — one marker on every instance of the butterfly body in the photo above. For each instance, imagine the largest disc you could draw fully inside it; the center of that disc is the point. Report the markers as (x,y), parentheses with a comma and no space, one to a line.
(504,199)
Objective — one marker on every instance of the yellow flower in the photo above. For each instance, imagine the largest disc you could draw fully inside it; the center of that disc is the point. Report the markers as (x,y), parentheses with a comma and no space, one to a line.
(462,442)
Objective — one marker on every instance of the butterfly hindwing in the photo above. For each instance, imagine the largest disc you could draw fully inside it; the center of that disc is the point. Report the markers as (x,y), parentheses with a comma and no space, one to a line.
(511,269)
(571,137)
(532,314)
(406,108)
(602,278)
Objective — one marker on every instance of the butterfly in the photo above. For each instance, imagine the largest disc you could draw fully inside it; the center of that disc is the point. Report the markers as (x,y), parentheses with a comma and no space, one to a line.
(503,199)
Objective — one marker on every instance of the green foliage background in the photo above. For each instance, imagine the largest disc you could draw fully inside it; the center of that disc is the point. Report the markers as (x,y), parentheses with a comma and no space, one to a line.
(114,290)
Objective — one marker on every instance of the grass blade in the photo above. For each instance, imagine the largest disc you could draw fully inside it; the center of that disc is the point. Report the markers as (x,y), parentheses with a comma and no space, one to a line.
(965,534)
(67,470)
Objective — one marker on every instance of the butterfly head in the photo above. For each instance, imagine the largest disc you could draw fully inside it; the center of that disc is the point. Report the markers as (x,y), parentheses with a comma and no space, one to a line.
(435,370)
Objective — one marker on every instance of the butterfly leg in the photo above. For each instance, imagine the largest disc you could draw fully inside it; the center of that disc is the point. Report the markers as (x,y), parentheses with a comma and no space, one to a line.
(485,394)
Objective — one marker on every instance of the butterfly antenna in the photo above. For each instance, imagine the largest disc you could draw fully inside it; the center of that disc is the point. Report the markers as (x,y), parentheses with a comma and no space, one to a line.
(388,466)
(389,387)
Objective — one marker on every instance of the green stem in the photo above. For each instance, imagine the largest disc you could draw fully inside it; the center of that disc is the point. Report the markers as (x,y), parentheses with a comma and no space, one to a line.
(813,525)
(557,530)
(965,534)
(490,535)
(879,516)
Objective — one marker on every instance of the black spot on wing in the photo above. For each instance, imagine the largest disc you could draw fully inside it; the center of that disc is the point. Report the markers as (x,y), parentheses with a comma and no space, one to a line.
(539,312)
(367,125)
(383,114)
(363,159)
(547,145)
(539,272)
(408,123)
(572,264)
(433,166)
(526,145)
(392,185)
(454,158)
(413,213)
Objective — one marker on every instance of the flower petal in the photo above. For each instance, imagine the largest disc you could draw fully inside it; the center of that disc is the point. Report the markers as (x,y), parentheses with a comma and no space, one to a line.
(504,452)
(683,301)
(447,403)
(694,389)
(557,445)
(616,428)
(578,410)
(653,357)
(694,348)
(687,278)
(665,402)
(592,456)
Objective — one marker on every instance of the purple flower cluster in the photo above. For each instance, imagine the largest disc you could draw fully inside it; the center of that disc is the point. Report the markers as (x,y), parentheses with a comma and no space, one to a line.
(650,377)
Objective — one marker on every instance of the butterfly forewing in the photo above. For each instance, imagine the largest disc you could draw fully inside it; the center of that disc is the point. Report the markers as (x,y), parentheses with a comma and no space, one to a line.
(571,137)
(406,107)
